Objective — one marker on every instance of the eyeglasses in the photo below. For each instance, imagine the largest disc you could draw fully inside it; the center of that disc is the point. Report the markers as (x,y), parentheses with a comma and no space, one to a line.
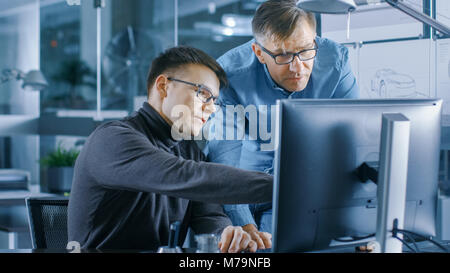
(286,58)
(202,92)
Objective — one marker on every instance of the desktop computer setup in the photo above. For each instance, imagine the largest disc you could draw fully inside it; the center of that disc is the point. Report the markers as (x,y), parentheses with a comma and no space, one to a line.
(328,188)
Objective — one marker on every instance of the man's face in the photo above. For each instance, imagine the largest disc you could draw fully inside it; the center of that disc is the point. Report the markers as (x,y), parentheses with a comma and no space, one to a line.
(181,106)
(294,76)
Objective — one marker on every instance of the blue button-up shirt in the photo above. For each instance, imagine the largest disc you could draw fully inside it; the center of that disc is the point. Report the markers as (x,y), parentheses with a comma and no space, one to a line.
(251,84)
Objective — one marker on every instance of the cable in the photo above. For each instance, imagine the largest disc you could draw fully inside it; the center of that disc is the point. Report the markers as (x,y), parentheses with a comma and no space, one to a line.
(410,238)
(416,250)
(404,243)
(394,235)
(423,237)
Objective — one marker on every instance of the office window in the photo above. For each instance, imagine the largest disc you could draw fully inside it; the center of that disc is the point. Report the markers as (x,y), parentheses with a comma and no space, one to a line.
(71,79)
(19,51)
(140,31)
(132,33)
(19,36)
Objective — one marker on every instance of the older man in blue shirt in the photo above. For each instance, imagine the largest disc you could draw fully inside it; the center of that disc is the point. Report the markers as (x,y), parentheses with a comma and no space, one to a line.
(285,60)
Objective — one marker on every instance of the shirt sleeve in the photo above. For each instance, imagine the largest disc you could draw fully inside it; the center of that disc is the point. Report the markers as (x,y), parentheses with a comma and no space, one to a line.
(208,218)
(120,158)
(347,87)
(219,148)
(240,215)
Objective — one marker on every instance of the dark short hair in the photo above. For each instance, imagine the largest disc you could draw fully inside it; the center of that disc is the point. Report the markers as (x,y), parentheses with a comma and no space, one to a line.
(278,18)
(176,57)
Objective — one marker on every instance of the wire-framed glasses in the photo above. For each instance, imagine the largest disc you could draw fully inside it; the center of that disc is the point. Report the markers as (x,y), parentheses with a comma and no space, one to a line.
(202,92)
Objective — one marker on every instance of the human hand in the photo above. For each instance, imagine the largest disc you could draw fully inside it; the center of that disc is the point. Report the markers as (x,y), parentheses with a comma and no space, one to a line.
(234,239)
(263,239)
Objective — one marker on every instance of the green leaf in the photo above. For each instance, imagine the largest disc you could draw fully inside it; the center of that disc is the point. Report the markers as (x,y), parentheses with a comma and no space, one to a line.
(60,158)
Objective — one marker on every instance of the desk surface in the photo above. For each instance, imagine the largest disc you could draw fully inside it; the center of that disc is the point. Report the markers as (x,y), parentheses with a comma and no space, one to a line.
(13,212)
(424,246)
(185,250)
(18,197)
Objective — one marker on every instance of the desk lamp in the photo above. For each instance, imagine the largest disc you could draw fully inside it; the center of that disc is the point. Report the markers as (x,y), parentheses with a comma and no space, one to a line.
(328,6)
(33,80)
(331,7)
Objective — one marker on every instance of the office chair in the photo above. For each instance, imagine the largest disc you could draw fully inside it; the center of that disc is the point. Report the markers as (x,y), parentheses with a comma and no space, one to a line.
(47,218)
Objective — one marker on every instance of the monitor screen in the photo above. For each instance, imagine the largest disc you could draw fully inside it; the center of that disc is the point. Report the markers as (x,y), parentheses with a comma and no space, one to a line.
(320,144)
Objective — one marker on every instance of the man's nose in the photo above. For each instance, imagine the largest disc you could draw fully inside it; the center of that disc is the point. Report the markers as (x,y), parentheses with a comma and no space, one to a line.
(296,65)
(209,107)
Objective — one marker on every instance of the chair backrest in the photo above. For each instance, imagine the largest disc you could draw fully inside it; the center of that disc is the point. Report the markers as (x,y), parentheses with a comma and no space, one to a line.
(47,218)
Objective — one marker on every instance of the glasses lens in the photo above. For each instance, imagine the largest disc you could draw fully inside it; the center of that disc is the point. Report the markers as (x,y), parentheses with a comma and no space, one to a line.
(204,94)
(308,54)
(284,59)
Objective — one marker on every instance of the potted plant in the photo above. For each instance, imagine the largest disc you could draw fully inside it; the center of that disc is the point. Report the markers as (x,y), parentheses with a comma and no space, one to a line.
(60,164)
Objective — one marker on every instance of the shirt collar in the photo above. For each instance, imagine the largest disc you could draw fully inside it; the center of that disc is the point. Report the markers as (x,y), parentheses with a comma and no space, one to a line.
(159,126)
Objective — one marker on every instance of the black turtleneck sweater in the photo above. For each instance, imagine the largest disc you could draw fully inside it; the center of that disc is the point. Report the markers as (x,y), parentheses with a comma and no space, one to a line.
(132,180)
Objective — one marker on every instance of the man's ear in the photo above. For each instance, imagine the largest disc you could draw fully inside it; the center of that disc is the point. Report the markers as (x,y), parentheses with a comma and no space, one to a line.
(161,84)
(258,52)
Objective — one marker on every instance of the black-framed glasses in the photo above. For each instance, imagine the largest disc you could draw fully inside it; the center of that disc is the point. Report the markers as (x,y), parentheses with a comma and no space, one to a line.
(288,57)
(202,92)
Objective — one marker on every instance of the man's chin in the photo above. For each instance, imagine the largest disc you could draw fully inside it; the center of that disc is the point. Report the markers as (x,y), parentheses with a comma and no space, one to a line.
(294,87)
(195,132)
(196,129)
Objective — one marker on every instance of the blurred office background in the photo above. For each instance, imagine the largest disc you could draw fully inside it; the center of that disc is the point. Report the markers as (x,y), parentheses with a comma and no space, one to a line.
(59,37)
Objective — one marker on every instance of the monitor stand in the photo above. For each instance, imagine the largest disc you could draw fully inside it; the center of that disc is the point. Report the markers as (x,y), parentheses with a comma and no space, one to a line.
(390,174)
(392,180)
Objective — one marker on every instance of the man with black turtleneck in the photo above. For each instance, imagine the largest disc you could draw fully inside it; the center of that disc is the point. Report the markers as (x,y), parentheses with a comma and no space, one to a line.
(133,178)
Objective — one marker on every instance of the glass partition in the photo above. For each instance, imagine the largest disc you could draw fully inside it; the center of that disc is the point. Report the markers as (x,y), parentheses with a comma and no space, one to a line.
(132,34)
(19,51)
(19,108)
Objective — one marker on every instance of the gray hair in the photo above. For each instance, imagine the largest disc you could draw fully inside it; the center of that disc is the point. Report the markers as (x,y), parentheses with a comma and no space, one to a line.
(277,19)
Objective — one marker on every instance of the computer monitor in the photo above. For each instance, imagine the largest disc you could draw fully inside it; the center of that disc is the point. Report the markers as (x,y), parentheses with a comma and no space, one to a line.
(320,144)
